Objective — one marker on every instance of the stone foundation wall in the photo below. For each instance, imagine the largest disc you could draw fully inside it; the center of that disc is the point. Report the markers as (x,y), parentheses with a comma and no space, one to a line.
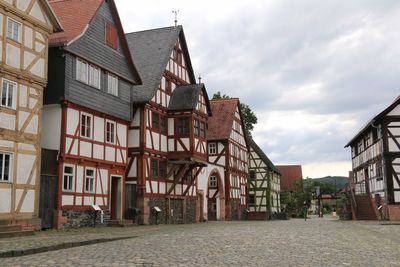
(26,224)
(179,211)
(84,218)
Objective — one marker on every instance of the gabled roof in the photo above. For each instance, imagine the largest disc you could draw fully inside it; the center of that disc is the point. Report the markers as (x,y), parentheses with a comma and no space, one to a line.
(261,154)
(290,174)
(76,15)
(51,15)
(186,97)
(152,50)
(376,118)
(220,123)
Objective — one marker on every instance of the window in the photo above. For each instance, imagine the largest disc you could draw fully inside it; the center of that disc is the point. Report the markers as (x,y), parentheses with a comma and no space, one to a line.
(7,94)
(213,181)
(212,148)
(94,76)
(87,73)
(202,129)
(111,36)
(81,71)
(163,169)
(252,175)
(110,132)
(252,199)
(13,30)
(164,125)
(5,167)
(86,125)
(196,128)
(112,84)
(89,180)
(154,168)
(155,121)
(168,86)
(68,178)
(182,126)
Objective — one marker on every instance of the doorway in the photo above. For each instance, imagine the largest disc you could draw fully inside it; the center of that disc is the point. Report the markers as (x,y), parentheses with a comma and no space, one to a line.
(116,198)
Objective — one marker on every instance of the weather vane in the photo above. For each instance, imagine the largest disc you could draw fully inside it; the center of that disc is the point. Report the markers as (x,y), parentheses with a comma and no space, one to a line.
(176,16)
(199,79)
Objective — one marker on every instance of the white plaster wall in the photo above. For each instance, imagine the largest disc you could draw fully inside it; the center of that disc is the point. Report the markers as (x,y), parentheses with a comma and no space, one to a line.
(67,200)
(51,127)
(88,200)
(78,200)
(79,179)
(98,151)
(395,111)
(170,126)
(72,120)
(136,118)
(104,179)
(148,139)
(13,56)
(133,170)
(121,131)
(171,145)
(85,149)
(110,153)
(98,133)
(5,203)
(29,202)
(186,142)
(392,145)
(164,144)
(156,141)
(133,138)
(7,121)
(24,168)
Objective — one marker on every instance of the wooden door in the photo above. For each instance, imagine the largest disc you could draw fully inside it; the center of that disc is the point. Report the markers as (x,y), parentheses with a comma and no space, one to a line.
(212,209)
(114,197)
(130,200)
(366,175)
(48,200)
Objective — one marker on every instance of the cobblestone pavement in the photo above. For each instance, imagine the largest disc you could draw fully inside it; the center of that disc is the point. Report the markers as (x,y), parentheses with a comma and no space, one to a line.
(315,242)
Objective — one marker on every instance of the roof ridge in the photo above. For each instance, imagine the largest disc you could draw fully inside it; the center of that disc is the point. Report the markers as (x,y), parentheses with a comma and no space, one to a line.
(161,28)
(226,99)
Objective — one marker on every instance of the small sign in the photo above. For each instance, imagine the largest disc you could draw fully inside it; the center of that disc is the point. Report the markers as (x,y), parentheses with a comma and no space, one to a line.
(157,209)
(96,207)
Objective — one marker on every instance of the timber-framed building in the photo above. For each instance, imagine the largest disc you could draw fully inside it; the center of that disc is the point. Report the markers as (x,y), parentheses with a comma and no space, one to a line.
(167,136)
(86,115)
(375,153)
(25,26)
(263,183)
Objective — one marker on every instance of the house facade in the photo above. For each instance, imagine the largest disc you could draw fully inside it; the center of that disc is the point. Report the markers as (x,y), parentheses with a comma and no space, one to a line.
(25,26)
(86,115)
(375,153)
(167,136)
(263,184)
(224,181)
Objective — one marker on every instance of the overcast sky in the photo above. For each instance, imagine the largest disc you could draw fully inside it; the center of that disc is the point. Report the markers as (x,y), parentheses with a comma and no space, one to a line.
(314,72)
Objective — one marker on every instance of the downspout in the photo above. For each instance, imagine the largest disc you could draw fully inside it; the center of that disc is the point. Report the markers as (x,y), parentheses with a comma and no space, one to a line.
(379,128)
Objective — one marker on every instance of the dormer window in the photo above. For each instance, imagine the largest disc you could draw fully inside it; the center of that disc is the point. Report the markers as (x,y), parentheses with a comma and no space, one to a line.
(111,36)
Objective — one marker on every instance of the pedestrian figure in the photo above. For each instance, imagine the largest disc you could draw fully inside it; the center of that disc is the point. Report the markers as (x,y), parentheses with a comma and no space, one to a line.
(305,211)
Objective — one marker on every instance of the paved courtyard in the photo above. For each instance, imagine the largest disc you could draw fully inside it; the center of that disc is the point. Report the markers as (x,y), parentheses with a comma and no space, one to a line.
(315,242)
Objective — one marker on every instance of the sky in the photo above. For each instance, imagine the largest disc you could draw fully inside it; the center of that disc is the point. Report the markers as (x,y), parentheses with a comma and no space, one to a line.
(314,72)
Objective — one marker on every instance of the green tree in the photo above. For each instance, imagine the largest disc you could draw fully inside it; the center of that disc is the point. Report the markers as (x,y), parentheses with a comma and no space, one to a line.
(249,117)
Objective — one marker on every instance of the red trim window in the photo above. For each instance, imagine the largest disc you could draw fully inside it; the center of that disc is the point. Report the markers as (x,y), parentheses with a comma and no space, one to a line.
(196,128)
(159,123)
(89,180)
(182,126)
(158,168)
(111,36)
(168,86)
(164,124)
(110,132)
(86,125)
(155,121)
(213,181)
(202,129)
(212,148)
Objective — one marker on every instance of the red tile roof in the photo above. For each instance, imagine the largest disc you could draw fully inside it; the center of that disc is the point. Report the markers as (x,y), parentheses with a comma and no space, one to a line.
(290,174)
(221,121)
(74,16)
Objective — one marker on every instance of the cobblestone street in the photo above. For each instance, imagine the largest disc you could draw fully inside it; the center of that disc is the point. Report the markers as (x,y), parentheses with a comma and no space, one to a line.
(315,242)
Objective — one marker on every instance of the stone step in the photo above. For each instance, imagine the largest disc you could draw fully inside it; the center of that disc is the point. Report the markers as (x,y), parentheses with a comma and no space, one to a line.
(10,228)
(16,233)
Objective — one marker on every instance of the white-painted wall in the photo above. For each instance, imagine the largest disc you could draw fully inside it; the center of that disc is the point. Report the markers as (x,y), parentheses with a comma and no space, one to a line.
(51,127)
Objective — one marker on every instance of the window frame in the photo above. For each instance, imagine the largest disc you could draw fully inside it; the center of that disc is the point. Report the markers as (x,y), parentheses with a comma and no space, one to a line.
(14,89)
(111,81)
(182,130)
(213,182)
(202,129)
(92,178)
(71,178)
(252,197)
(252,177)
(210,149)
(111,134)
(3,167)
(88,115)
(154,170)
(13,22)
(196,127)
(91,76)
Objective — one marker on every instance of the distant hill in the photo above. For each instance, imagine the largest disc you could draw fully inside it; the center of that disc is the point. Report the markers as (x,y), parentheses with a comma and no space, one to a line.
(341,181)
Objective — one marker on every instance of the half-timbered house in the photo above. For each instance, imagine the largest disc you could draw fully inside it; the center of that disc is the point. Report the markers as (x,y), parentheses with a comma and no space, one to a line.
(227,170)
(263,183)
(375,153)
(86,114)
(167,136)
(25,26)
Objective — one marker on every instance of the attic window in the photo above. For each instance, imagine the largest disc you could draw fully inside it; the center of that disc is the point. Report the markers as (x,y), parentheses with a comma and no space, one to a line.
(111,36)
